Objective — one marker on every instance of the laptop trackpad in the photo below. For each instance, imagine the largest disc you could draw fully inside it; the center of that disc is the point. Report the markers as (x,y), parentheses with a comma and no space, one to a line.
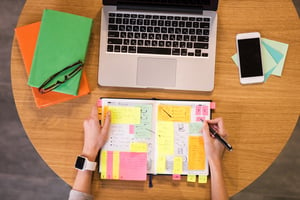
(157,72)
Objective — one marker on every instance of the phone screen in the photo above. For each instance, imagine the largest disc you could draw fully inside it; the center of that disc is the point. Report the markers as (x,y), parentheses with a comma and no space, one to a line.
(250,57)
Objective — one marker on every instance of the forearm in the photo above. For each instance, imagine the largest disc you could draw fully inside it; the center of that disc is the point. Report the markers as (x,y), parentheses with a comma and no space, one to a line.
(218,189)
(83,179)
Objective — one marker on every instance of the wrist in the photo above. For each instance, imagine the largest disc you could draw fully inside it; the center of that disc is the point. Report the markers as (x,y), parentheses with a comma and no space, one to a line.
(90,156)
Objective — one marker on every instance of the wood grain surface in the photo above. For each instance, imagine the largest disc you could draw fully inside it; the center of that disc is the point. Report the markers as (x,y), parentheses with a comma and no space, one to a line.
(259,118)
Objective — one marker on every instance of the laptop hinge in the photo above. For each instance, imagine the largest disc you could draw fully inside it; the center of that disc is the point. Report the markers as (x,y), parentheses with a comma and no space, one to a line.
(160,8)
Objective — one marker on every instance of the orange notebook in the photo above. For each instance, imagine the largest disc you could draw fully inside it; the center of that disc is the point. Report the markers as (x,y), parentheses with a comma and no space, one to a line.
(27,37)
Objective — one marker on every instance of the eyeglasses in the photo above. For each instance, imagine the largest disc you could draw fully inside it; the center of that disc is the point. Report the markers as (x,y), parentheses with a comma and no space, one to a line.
(48,85)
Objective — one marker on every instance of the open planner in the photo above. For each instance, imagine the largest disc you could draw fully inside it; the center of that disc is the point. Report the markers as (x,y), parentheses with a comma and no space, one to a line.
(153,137)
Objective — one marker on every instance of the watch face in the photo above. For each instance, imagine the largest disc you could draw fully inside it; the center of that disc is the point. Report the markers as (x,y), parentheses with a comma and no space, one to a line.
(79,162)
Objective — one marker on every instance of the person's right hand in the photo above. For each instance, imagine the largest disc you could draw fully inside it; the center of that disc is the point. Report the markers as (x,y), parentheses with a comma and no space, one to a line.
(214,149)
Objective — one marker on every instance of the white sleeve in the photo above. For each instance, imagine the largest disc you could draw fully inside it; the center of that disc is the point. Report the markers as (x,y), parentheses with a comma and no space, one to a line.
(76,195)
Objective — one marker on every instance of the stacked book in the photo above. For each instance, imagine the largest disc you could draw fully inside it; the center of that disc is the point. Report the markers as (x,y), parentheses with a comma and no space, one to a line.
(48,47)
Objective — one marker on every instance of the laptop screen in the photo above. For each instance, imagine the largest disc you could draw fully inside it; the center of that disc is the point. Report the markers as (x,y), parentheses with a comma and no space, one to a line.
(201,4)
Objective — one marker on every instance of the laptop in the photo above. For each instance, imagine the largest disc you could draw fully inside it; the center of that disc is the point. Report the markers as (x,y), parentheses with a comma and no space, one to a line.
(164,44)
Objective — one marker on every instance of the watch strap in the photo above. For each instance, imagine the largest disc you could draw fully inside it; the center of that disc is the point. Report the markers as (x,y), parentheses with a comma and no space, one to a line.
(91,166)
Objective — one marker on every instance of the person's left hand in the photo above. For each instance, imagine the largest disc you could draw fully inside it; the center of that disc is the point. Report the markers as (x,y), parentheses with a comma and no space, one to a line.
(95,136)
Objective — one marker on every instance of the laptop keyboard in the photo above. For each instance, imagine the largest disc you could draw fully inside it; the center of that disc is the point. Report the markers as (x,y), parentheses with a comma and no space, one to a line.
(158,34)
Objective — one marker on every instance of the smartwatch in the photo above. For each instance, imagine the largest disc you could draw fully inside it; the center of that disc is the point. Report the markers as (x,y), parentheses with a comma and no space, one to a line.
(82,163)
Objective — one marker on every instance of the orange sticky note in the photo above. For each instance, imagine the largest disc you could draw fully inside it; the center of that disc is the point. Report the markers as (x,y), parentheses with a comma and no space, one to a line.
(196,153)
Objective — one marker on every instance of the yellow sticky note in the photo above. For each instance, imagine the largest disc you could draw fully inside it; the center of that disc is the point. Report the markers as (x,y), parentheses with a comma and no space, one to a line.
(196,153)
(177,165)
(161,164)
(165,138)
(174,113)
(191,178)
(125,115)
(116,164)
(138,147)
(202,179)
(103,163)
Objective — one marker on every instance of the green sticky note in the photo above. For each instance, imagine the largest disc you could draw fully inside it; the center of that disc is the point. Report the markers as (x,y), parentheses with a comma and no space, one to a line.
(62,41)
(276,48)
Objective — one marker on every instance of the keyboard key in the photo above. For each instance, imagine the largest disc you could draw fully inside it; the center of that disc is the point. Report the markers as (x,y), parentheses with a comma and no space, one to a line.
(123,34)
(133,42)
(201,45)
(113,34)
(117,48)
(161,43)
(122,28)
(118,20)
(183,52)
(203,38)
(176,52)
(124,49)
(126,41)
(147,43)
(111,20)
(205,32)
(110,48)
(198,52)
(113,27)
(140,42)
(154,50)
(114,41)
(204,25)
(132,49)
(204,54)
(154,43)
(185,31)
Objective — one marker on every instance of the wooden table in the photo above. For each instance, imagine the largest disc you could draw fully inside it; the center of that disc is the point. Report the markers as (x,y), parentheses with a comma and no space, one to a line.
(259,118)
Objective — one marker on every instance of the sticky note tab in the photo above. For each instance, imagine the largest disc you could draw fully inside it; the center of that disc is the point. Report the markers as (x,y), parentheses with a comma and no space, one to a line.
(212,105)
(138,147)
(191,178)
(103,163)
(177,165)
(125,115)
(176,177)
(133,166)
(109,169)
(196,153)
(99,102)
(202,179)
(116,164)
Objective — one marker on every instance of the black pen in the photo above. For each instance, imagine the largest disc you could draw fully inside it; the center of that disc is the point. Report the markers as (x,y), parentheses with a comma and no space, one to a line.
(220,138)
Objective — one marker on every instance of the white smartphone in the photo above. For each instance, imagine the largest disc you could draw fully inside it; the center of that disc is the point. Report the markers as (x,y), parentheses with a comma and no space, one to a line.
(249,58)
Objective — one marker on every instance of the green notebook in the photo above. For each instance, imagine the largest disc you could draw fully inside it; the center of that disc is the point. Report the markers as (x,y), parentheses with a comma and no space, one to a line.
(63,40)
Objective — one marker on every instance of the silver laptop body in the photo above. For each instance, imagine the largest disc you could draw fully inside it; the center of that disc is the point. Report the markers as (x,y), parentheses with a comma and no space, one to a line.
(140,46)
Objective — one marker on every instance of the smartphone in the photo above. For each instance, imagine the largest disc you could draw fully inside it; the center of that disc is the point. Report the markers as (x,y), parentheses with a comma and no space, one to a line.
(249,58)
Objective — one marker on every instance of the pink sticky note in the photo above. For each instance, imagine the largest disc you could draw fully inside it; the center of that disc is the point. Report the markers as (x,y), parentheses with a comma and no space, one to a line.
(133,166)
(205,110)
(176,177)
(213,105)
(131,129)
(99,102)
(109,170)
(198,109)
(200,119)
